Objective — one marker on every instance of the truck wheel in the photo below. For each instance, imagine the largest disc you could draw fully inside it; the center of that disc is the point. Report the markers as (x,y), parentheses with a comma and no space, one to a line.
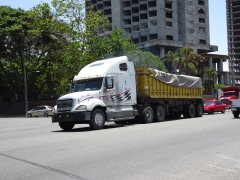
(159,113)
(146,115)
(97,120)
(236,114)
(67,126)
(199,110)
(189,111)
(223,111)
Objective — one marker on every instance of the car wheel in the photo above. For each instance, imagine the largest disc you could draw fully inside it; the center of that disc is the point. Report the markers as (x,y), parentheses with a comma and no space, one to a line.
(212,111)
(67,126)
(29,115)
(97,120)
(45,115)
(223,111)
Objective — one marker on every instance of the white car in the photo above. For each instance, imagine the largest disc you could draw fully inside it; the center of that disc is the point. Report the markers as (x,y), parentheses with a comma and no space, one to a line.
(41,111)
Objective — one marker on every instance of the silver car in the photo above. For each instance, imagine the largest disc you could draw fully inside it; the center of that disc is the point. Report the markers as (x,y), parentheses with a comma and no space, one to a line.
(41,111)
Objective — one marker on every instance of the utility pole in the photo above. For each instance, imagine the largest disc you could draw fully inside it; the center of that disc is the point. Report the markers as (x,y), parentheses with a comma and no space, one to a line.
(25,84)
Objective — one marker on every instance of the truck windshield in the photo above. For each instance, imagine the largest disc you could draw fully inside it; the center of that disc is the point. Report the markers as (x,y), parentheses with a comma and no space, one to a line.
(227,94)
(87,85)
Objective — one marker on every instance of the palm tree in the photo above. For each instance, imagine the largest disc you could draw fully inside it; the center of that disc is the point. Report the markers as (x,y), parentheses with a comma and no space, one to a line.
(183,60)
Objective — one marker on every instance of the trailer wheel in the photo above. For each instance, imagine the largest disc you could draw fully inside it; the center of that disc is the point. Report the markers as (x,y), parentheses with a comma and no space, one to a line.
(66,126)
(146,115)
(189,111)
(236,114)
(97,120)
(159,113)
(199,110)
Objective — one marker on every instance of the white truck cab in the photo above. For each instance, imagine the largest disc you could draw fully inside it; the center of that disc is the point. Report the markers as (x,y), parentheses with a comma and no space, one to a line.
(102,90)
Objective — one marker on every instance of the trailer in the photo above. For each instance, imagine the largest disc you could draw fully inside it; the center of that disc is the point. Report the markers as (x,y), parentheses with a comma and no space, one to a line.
(114,90)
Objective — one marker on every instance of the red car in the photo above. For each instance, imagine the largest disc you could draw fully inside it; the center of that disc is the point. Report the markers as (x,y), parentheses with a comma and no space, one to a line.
(211,106)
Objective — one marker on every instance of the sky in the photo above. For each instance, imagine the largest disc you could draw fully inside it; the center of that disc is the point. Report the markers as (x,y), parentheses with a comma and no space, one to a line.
(217,21)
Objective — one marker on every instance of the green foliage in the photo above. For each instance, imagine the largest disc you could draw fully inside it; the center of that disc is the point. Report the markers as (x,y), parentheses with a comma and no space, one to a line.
(184,61)
(55,46)
(219,86)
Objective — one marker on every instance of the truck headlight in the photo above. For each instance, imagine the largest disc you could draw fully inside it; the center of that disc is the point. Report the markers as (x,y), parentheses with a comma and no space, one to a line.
(81,108)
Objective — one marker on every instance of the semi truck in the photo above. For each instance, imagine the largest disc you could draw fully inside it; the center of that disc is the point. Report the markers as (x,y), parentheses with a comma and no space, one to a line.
(115,90)
(229,94)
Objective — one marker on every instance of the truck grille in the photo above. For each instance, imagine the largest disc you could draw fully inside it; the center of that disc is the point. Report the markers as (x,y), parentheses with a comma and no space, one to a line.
(64,105)
(225,101)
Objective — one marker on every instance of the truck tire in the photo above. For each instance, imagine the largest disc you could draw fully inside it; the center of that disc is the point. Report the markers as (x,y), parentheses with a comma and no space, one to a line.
(97,120)
(189,111)
(146,115)
(66,126)
(159,113)
(199,110)
(236,114)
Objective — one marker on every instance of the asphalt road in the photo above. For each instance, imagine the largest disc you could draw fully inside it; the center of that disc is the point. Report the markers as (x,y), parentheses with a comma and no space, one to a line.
(206,148)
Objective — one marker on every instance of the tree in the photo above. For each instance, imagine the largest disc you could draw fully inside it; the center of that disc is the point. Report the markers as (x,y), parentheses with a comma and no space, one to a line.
(210,75)
(184,61)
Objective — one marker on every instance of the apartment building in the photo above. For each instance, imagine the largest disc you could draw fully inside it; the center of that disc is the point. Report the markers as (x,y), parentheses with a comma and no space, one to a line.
(160,26)
(233,32)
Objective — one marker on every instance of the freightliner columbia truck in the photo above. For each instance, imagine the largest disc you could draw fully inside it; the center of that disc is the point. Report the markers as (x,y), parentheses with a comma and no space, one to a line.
(115,90)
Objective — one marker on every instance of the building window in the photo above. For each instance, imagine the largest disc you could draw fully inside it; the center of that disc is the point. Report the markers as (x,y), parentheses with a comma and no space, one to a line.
(152,4)
(202,29)
(202,41)
(201,20)
(134,1)
(153,36)
(135,18)
(169,37)
(200,2)
(168,14)
(168,5)
(143,38)
(152,13)
(135,40)
(169,23)
(201,11)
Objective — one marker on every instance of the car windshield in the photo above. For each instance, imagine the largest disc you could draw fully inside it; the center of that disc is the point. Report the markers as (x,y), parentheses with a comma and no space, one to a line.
(87,85)
(208,102)
(227,94)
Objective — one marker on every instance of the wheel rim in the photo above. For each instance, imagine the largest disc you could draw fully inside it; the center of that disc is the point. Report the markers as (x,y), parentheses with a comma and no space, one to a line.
(148,114)
(200,110)
(192,110)
(99,119)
